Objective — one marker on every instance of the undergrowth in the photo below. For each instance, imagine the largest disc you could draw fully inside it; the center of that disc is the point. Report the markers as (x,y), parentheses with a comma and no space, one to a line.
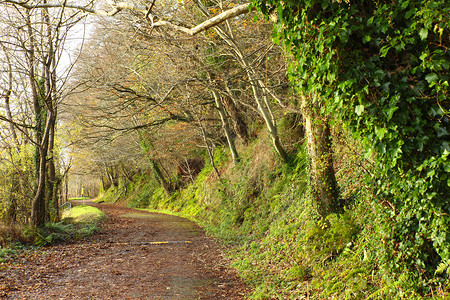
(77,223)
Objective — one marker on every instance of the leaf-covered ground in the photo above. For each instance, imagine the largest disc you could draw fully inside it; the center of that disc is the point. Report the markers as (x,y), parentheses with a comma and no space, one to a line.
(124,262)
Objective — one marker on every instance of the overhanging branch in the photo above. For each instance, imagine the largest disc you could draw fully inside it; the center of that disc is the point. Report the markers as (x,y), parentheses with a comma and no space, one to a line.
(119,6)
(116,7)
(228,14)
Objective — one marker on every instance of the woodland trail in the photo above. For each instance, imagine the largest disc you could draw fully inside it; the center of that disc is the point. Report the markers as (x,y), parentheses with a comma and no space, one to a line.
(123,262)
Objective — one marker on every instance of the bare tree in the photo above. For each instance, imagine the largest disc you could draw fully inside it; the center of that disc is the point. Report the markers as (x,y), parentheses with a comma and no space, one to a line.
(34,40)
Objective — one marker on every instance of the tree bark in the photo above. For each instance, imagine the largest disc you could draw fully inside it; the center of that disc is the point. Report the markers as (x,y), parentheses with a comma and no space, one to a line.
(322,176)
(7,97)
(11,210)
(50,99)
(38,202)
(211,22)
(52,186)
(38,211)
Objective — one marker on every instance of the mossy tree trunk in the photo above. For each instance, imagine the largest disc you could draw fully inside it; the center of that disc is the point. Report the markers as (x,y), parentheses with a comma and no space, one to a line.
(323,180)
(41,146)
(160,176)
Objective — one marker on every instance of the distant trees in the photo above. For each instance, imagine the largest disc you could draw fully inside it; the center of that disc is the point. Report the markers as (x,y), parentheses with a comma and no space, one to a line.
(127,98)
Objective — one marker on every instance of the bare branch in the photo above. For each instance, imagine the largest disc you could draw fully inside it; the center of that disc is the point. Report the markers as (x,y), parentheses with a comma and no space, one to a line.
(116,7)
(228,14)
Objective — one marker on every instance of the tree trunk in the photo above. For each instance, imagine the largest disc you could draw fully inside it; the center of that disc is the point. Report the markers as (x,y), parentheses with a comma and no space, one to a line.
(66,188)
(111,175)
(50,99)
(38,203)
(52,186)
(11,209)
(208,148)
(239,125)
(322,177)
(226,127)
(160,177)
(38,212)
(264,110)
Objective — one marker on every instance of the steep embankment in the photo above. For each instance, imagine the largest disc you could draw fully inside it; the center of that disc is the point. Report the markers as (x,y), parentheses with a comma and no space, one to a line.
(279,244)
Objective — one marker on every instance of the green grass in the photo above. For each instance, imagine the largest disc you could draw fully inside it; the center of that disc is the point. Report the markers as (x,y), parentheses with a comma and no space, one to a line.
(84,214)
(79,198)
(77,223)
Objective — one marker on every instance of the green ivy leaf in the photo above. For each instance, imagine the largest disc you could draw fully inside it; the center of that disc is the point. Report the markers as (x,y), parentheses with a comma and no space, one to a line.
(359,109)
(325,4)
(380,132)
(423,33)
(384,50)
(390,112)
(432,77)
(441,132)
(447,166)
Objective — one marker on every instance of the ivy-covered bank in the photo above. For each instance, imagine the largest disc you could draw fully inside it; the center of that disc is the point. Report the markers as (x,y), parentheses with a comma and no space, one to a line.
(383,67)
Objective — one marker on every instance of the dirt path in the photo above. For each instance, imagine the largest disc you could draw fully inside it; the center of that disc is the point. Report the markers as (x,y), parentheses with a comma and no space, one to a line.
(123,262)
